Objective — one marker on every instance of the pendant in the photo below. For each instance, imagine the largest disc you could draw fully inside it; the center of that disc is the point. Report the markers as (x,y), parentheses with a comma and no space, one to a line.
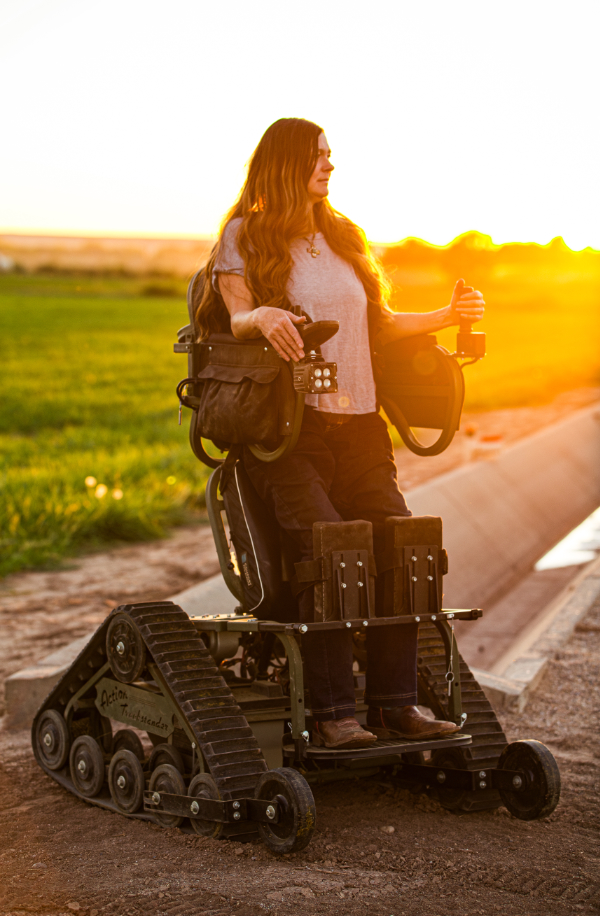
(313,252)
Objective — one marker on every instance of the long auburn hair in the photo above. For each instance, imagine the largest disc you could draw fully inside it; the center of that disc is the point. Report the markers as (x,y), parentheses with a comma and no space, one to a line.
(272,205)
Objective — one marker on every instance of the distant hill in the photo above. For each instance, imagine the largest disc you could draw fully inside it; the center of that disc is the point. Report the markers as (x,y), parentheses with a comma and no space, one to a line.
(412,262)
(476,255)
(143,256)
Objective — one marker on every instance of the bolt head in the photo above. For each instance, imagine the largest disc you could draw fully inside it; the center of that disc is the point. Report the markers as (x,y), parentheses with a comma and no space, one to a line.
(236,815)
(417,619)
(121,782)
(236,805)
(270,812)
(343,585)
(359,562)
(517,782)
(303,628)
(429,557)
(360,584)
(414,559)
(430,578)
(305,735)
(82,767)
(365,623)
(348,624)
(482,784)
(156,798)
(194,807)
(482,774)
(120,648)
(414,578)
(441,776)
(47,739)
(434,617)
(342,565)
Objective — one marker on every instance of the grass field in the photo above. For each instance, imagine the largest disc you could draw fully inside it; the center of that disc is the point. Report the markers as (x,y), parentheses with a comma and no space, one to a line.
(88,382)
(89,378)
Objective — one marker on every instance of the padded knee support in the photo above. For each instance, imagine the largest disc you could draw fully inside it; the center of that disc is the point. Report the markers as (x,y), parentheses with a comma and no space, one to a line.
(343,571)
(413,565)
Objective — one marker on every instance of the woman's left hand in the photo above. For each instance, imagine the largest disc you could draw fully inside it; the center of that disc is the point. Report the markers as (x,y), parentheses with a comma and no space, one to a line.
(467,304)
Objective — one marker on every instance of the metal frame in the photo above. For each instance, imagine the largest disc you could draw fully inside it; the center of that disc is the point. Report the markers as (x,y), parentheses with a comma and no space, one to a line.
(263,811)
(289,633)
(470,780)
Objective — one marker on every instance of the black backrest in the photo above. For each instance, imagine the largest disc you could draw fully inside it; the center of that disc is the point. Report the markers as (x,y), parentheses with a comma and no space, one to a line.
(261,554)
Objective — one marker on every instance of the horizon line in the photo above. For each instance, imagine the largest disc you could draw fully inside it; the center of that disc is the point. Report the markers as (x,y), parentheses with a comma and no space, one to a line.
(182,236)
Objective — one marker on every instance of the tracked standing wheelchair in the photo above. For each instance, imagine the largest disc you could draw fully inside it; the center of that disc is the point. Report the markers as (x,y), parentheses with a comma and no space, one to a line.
(221,696)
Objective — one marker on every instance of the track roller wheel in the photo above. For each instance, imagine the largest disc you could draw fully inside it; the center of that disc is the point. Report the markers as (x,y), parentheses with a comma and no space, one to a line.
(452,799)
(126,781)
(52,739)
(166,753)
(166,778)
(204,786)
(297,818)
(125,649)
(536,791)
(86,762)
(127,740)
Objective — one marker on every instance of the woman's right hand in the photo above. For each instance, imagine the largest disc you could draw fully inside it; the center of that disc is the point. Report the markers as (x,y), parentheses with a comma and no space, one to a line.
(279,328)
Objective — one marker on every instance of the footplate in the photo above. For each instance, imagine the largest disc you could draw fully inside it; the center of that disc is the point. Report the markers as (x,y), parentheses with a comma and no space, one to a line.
(383,748)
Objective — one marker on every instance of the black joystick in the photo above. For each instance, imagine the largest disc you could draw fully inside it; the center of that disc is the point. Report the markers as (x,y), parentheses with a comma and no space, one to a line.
(469,344)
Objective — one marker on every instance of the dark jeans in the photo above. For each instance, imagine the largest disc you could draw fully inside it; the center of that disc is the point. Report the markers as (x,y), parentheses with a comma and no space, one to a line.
(340,472)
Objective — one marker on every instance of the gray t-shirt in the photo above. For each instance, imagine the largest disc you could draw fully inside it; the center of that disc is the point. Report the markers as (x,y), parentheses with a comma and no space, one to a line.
(326,287)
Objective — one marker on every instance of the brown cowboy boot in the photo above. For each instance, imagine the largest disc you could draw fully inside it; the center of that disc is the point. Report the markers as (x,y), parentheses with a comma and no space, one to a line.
(407,722)
(342,733)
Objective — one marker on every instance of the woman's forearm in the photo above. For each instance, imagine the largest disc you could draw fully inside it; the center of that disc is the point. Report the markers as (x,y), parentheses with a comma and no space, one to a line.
(243,324)
(466,303)
(411,323)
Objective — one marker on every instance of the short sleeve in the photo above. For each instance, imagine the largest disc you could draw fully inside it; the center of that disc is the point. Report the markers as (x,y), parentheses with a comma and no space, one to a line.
(229,259)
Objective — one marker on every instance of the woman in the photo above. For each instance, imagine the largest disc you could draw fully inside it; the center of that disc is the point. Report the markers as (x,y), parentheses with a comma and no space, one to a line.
(284,243)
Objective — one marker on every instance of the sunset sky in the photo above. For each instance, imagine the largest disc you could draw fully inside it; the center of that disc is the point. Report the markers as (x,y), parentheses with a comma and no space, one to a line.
(138,116)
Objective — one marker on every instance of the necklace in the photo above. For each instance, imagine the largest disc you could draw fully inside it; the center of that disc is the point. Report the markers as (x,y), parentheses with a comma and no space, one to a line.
(312,251)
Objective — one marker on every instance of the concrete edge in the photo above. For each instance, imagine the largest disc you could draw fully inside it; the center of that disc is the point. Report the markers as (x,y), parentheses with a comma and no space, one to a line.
(524,666)
(446,479)
(26,690)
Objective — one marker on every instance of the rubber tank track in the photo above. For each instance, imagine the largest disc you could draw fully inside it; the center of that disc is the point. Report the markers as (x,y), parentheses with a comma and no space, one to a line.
(200,695)
(488,738)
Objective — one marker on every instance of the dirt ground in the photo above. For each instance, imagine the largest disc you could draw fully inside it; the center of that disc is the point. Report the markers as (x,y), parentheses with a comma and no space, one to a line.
(62,856)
